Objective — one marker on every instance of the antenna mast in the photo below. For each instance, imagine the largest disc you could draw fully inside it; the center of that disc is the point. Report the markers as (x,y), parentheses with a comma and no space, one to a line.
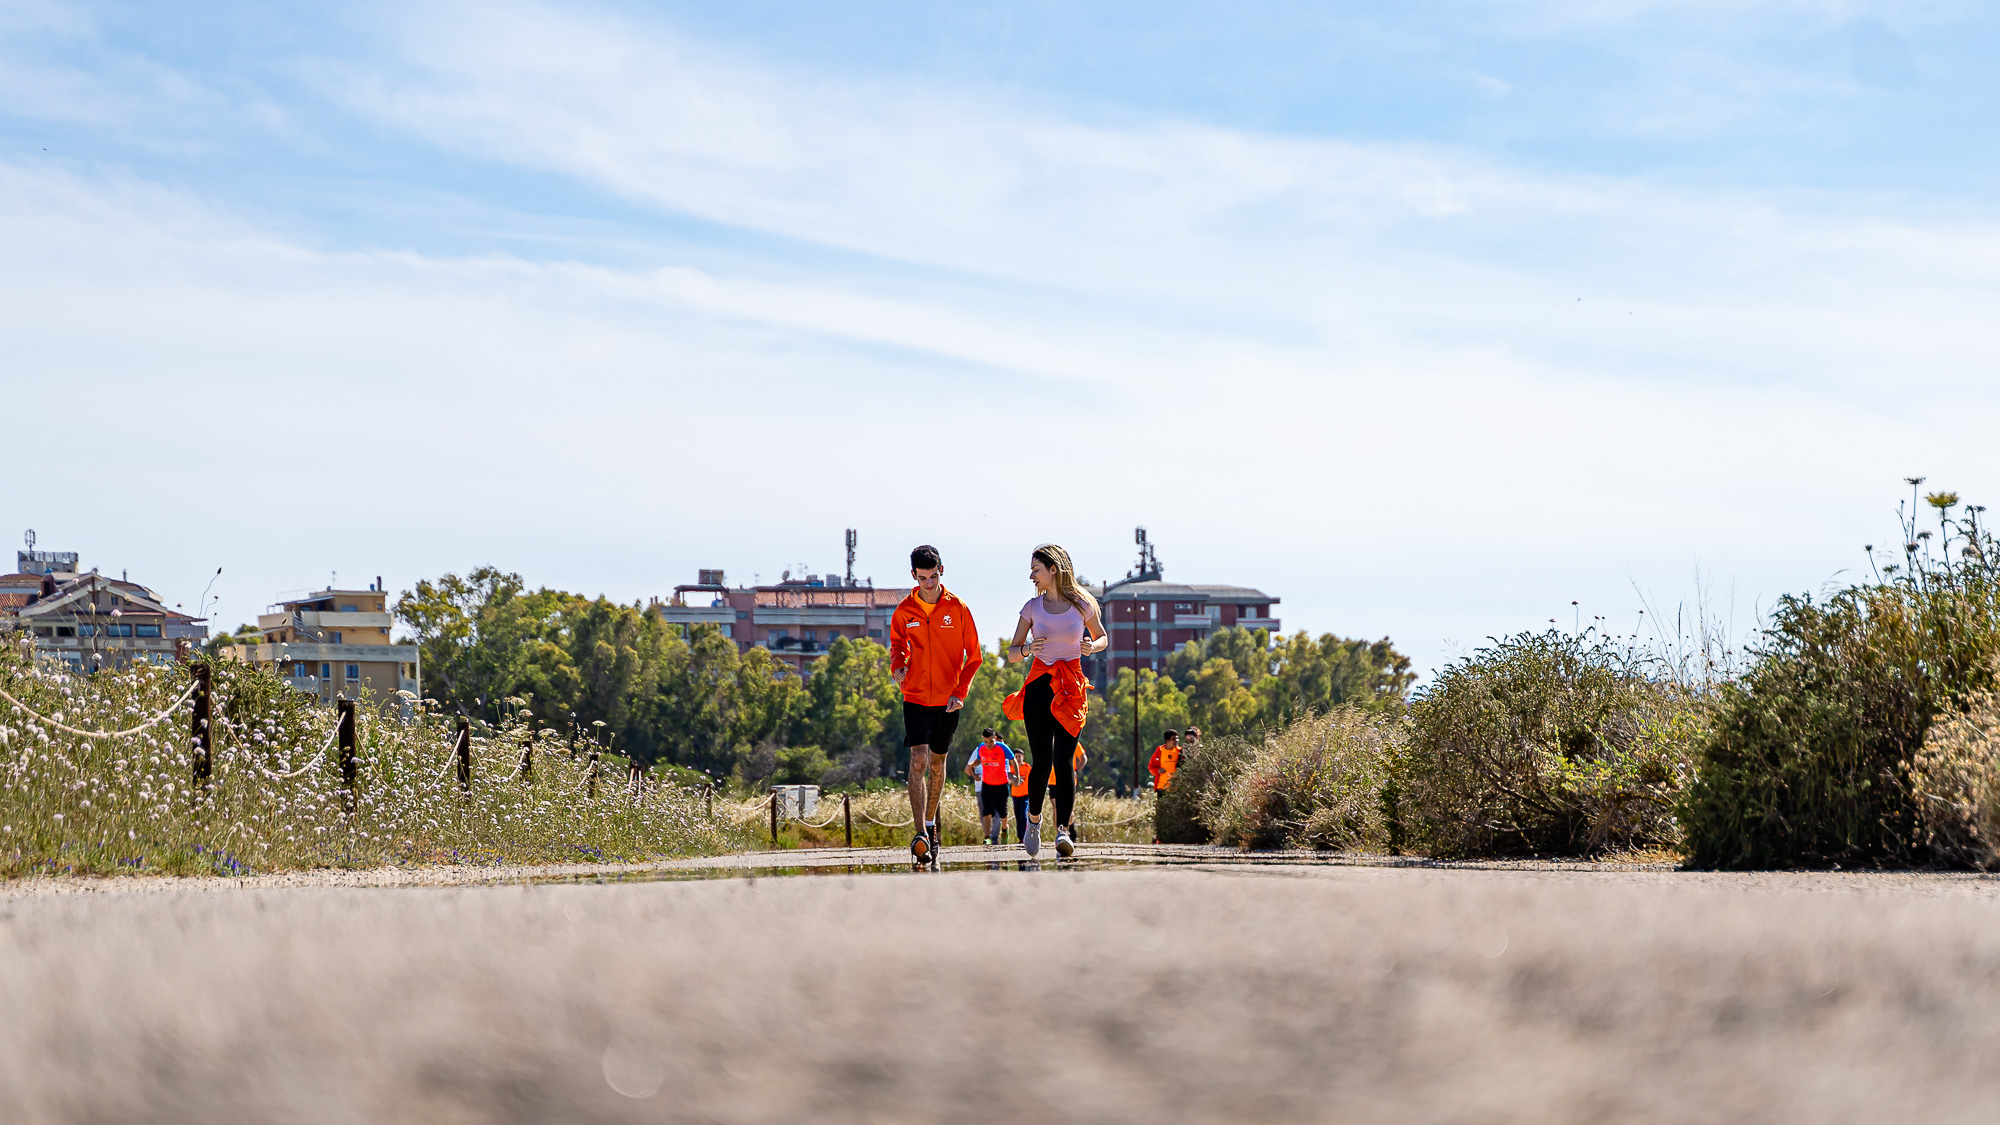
(852,539)
(1149,563)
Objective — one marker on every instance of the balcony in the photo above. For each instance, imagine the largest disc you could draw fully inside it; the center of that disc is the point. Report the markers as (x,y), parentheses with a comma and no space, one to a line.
(1268,624)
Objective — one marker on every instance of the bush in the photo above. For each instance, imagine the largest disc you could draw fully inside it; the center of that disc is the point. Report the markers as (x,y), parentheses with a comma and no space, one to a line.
(1315,784)
(1811,762)
(1210,767)
(1547,743)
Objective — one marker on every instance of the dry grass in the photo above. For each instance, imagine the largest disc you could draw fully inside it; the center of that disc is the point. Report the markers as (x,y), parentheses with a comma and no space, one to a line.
(69,803)
(882,819)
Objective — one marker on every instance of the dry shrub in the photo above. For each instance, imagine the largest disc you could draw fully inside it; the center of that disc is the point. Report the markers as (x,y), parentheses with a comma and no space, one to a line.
(1315,784)
(1548,743)
(1955,780)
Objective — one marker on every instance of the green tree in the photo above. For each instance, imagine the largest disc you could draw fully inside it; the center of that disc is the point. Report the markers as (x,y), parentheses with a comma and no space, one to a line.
(850,697)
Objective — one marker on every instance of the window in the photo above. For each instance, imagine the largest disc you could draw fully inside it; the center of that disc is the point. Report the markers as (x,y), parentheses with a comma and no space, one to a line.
(354,671)
(1155,610)
(350,609)
(742,615)
(812,636)
(771,640)
(729,629)
(326,671)
(85,631)
(875,634)
(118,630)
(336,638)
(145,630)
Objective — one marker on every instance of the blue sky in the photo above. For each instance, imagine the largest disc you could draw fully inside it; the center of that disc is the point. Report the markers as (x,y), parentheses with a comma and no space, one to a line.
(1430,318)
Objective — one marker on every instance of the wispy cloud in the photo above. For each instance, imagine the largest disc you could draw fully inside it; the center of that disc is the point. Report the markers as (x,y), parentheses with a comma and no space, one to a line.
(1415,387)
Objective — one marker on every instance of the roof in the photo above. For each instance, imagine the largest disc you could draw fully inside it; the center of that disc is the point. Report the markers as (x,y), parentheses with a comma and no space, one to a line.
(69,594)
(1153,590)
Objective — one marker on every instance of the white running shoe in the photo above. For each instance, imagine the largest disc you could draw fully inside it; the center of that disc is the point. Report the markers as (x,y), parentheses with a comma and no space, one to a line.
(1031,840)
(1063,847)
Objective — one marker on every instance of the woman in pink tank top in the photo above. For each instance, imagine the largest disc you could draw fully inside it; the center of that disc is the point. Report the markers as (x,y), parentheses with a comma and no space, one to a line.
(1058,628)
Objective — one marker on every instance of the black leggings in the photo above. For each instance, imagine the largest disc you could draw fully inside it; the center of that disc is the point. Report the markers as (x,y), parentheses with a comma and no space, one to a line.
(1052,747)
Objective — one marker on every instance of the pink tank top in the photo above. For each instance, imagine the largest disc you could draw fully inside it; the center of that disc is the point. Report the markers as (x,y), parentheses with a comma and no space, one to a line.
(1063,631)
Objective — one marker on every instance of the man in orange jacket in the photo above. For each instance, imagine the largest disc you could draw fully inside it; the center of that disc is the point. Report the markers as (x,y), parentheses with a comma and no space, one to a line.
(1166,759)
(933,655)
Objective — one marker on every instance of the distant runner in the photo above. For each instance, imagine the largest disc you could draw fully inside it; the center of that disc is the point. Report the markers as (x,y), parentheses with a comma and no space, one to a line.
(1062,619)
(1166,759)
(993,767)
(1019,793)
(933,654)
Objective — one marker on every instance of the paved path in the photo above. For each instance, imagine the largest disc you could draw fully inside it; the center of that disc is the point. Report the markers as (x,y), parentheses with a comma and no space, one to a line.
(1155,991)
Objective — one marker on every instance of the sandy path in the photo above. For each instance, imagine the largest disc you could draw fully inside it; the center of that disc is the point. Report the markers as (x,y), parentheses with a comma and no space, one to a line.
(1218,992)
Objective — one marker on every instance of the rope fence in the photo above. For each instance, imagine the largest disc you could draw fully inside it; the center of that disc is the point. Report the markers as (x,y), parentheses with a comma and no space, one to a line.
(67,729)
(331,738)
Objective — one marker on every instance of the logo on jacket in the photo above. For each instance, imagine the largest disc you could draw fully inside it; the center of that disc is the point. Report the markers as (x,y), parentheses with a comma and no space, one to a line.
(947,618)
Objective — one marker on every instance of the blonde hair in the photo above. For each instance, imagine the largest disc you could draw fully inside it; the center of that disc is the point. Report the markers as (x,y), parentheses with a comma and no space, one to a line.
(1057,560)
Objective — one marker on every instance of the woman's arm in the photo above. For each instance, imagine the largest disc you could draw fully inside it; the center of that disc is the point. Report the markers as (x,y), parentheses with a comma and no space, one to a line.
(1020,649)
(1094,639)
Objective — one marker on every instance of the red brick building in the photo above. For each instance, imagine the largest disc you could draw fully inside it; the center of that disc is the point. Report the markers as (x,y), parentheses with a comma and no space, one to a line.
(1149,618)
(797,619)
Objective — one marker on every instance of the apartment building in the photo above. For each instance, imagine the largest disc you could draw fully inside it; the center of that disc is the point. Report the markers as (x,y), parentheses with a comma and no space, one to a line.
(89,621)
(797,619)
(1149,618)
(333,643)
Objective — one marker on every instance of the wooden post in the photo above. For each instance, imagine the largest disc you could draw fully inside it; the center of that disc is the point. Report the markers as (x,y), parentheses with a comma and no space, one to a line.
(593,773)
(708,801)
(464,752)
(847,814)
(203,685)
(348,769)
(774,816)
(528,757)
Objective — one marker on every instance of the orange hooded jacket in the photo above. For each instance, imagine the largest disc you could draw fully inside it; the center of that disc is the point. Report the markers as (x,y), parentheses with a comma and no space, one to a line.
(1071,704)
(940,650)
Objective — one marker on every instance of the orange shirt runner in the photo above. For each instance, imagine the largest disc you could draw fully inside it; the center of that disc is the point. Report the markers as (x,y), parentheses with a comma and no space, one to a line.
(1166,759)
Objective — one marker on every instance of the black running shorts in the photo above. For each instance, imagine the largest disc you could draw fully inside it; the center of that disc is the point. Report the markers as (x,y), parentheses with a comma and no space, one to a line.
(928,726)
(993,801)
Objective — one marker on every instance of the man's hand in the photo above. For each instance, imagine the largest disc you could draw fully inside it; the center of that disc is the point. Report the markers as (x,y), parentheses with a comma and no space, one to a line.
(954,703)
(898,674)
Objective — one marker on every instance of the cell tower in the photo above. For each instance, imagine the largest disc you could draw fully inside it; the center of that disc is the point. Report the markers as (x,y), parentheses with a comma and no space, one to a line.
(1149,563)
(852,539)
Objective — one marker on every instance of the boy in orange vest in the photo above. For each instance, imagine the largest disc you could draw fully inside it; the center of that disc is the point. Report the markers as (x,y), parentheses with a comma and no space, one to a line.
(993,768)
(1166,759)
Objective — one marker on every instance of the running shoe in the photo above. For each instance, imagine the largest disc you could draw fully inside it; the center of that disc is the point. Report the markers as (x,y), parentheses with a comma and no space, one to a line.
(921,847)
(1031,839)
(1063,847)
(931,830)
